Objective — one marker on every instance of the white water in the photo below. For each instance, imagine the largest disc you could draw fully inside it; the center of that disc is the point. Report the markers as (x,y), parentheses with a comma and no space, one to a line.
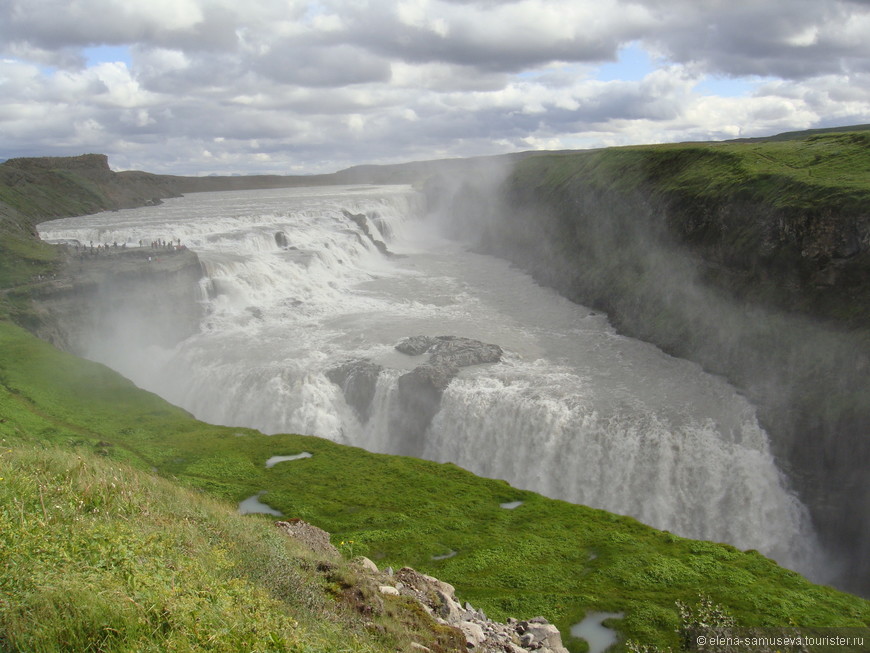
(574,410)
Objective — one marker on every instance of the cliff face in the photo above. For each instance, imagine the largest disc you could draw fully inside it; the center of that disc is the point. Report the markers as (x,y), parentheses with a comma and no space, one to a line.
(759,276)
(73,292)
(95,300)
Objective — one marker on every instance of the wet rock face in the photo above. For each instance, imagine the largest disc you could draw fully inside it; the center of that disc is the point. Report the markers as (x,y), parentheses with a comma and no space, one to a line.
(361,221)
(450,351)
(420,390)
(358,380)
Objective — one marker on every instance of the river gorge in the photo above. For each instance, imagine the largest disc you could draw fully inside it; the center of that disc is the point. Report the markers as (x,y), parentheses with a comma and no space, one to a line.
(298,283)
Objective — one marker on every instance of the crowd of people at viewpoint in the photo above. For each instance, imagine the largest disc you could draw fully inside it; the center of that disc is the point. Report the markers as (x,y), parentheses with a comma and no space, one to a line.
(159,244)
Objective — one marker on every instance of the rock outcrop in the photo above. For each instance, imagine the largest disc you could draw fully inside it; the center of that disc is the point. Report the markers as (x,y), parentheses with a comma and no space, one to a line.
(358,380)
(481,634)
(437,599)
(112,293)
(312,537)
(420,390)
(361,221)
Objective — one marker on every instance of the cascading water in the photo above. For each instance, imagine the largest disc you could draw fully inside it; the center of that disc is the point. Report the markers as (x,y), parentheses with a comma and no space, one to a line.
(298,282)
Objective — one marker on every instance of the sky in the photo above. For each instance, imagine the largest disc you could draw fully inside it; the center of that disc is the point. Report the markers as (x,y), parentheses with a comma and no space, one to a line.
(309,86)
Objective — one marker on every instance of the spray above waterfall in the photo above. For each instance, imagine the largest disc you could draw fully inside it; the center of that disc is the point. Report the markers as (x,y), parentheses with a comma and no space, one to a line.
(304,309)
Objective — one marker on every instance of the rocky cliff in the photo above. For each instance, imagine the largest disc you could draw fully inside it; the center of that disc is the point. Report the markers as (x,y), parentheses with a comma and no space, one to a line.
(139,295)
(751,259)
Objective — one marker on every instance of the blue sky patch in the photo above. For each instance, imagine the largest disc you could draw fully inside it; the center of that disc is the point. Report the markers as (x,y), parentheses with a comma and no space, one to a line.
(634,63)
(107,54)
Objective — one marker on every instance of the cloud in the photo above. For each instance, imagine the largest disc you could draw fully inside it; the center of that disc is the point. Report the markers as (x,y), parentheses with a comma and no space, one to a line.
(280,86)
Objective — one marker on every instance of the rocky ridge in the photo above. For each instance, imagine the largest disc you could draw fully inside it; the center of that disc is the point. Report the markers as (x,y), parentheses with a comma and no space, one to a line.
(438,600)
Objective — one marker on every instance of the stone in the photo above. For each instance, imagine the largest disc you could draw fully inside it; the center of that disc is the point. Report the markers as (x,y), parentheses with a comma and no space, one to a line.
(420,647)
(415,345)
(474,636)
(547,635)
(358,380)
(388,589)
(366,564)
(420,390)
(314,538)
(449,609)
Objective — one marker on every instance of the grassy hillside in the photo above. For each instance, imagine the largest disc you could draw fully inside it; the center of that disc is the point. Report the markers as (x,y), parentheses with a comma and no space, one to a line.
(101,557)
(544,557)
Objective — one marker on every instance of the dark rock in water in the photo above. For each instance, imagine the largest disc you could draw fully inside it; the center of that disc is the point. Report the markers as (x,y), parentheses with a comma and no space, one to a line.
(415,345)
(358,380)
(362,222)
(463,352)
(281,239)
(420,390)
(452,350)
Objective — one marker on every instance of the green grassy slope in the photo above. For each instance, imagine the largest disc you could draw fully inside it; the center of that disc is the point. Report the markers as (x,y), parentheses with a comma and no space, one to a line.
(100,557)
(545,556)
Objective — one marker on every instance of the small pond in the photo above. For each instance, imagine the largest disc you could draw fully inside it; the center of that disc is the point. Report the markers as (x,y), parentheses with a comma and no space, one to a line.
(253,504)
(599,637)
(274,460)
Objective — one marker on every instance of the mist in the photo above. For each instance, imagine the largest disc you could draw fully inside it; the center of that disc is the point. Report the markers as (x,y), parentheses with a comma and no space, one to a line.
(626,254)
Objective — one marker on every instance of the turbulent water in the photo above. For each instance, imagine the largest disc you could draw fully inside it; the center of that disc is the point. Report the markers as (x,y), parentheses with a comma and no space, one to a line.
(573,410)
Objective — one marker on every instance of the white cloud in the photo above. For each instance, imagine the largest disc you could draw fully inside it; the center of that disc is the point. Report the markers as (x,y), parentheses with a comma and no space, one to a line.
(216,85)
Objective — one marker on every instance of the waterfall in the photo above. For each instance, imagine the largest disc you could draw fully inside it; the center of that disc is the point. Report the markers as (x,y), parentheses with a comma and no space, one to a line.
(298,282)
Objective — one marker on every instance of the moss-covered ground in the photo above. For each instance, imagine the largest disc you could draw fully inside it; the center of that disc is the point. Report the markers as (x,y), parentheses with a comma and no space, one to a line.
(838,162)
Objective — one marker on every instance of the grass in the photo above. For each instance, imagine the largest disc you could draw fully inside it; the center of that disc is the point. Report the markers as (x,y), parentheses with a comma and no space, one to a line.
(545,557)
(101,557)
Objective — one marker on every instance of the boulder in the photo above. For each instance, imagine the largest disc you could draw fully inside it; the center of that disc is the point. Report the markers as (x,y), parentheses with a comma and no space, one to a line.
(474,635)
(420,390)
(358,380)
(366,564)
(314,538)
(388,589)
(415,345)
